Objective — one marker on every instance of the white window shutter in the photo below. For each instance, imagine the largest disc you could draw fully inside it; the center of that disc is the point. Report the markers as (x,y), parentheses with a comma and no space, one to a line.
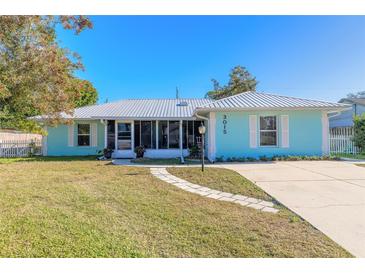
(285,131)
(94,134)
(253,130)
(71,135)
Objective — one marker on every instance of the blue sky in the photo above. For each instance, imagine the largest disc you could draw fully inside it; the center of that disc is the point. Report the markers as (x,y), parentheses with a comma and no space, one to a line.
(319,57)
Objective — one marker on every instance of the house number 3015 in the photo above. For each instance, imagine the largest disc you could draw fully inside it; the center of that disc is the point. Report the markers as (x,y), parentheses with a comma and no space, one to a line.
(224,124)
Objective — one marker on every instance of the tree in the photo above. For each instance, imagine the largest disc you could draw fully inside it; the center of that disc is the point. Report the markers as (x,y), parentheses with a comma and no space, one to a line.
(240,81)
(36,74)
(360,94)
(86,93)
(359,131)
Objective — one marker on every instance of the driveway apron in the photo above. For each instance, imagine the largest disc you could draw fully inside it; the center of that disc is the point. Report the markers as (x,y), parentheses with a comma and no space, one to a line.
(328,194)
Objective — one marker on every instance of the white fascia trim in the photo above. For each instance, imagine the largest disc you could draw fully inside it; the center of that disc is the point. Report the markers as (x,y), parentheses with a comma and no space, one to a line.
(332,109)
(140,118)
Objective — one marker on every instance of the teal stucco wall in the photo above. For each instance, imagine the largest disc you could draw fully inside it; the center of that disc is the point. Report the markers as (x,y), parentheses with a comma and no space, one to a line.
(305,134)
(57,141)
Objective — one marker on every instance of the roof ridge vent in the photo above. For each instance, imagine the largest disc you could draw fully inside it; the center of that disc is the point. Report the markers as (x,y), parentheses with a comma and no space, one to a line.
(182,104)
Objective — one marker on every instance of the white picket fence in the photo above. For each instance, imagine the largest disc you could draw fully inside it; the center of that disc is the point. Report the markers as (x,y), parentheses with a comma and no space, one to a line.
(341,141)
(20,148)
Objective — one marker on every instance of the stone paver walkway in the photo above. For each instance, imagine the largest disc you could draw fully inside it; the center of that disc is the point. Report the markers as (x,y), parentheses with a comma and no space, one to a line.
(258,204)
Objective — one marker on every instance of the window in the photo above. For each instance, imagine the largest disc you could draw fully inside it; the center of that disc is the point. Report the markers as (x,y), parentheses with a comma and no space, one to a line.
(111,134)
(268,131)
(137,133)
(174,134)
(83,135)
(145,134)
(153,134)
(162,134)
(197,135)
(190,136)
(185,134)
(191,133)
(169,134)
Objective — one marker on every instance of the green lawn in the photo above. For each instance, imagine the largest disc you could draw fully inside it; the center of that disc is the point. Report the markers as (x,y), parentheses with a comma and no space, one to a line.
(220,179)
(150,161)
(87,208)
(351,156)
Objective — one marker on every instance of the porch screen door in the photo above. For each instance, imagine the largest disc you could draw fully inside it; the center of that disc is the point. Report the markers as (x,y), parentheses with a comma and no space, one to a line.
(124,136)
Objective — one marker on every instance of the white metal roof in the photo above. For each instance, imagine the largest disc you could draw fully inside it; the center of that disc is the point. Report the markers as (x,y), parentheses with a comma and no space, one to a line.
(141,109)
(170,108)
(259,100)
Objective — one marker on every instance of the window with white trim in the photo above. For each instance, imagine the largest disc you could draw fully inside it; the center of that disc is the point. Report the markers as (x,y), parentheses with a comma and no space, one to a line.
(83,134)
(268,131)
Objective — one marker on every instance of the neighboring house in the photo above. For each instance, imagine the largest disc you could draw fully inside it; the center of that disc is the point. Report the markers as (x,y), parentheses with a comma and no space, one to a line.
(345,118)
(249,124)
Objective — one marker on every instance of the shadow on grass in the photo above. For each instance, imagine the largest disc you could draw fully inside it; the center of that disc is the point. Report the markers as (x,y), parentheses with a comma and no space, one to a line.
(48,159)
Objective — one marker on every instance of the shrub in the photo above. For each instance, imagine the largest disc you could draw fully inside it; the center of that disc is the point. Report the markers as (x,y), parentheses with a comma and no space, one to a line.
(194,152)
(140,150)
(219,159)
(32,149)
(263,158)
(359,131)
(251,159)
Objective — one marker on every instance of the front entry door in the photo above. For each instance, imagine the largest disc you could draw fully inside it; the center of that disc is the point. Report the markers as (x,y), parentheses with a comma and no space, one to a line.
(124,140)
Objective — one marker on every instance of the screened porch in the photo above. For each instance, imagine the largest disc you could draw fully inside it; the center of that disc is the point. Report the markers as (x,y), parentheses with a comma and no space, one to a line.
(160,138)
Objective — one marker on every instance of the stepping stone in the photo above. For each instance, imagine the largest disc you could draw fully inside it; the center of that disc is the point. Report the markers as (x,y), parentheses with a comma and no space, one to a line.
(213,191)
(226,194)
(256,206)
(270,209)
(188,189)
(202,193)
(266,203)
(182,181)
(243,203)
(227,199)
(193,190)
(193,185)
(214,196)
(253,200)
(203,188)
(239,197)
(164,175)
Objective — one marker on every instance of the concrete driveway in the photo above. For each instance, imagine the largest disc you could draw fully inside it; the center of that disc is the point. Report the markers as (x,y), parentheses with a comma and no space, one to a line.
(328,194)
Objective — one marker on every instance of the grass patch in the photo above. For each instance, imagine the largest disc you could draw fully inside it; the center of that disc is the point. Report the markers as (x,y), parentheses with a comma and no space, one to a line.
(351,156)
(220,179)
(47,159)
(157,161)
(84,208)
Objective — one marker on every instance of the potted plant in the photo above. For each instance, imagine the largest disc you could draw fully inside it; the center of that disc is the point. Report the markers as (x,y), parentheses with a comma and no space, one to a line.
(106,153)
(140,150)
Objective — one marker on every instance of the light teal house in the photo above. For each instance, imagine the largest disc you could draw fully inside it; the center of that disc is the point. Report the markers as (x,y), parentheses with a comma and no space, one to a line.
(249,124)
